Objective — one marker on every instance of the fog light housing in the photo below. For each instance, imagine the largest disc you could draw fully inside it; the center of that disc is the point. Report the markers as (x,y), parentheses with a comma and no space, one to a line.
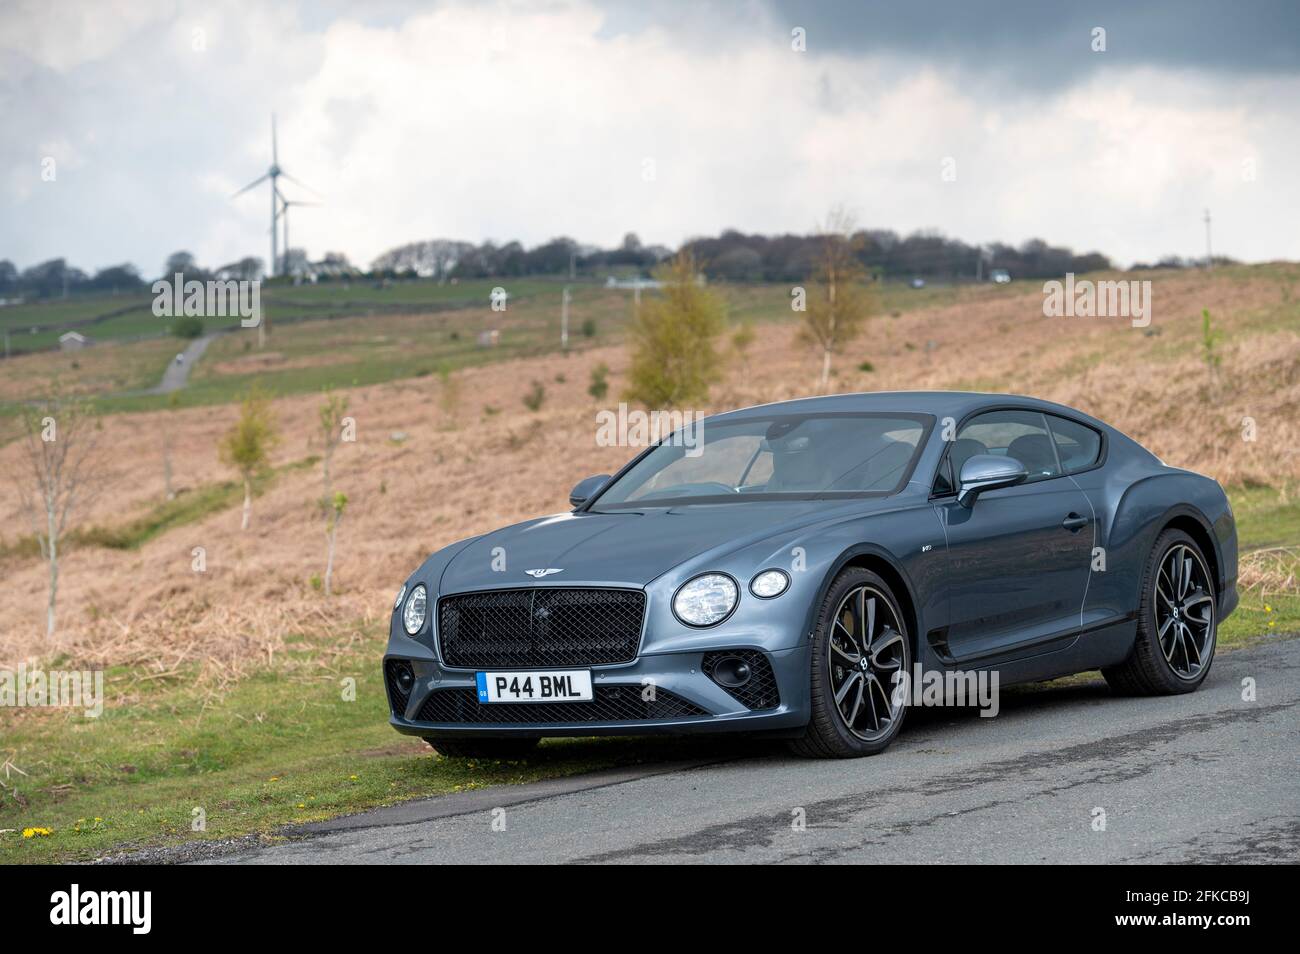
(731,672)
(401,680)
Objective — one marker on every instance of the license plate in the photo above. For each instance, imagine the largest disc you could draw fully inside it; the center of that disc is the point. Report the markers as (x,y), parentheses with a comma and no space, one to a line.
(570,685)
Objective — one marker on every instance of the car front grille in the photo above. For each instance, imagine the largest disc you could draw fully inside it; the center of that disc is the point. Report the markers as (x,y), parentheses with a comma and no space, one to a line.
(761,691)
(542,627)
(609,704)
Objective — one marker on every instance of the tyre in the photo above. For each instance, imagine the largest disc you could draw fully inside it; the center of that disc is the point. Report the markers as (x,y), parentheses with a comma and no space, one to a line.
(504,749)
(1177,622)
(859,651)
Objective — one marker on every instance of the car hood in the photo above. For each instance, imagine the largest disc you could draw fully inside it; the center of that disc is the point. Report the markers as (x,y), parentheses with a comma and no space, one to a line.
(629,547)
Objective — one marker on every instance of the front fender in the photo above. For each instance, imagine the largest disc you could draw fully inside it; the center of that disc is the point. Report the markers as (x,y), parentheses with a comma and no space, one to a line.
(812,556)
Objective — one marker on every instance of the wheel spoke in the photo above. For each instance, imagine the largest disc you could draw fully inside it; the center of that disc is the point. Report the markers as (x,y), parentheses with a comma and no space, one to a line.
(1160,635)
(1179,645)
(889,637)
(852,658)
(847,630)
(1189,643)
(852,679)
(1166,576)
(1172,647)
(857,705)
(878,691)
(1204,604)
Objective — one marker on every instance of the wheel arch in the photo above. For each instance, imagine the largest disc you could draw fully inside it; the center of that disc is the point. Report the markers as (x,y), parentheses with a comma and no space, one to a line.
(1197,527)
(1143,511)
(884,565)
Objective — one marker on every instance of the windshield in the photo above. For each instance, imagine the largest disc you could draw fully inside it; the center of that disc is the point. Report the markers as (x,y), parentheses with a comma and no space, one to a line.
(781,457)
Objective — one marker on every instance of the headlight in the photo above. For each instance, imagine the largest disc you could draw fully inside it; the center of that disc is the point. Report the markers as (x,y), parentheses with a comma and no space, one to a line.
(417,605)
(706,600)
(400,593)
(769,584)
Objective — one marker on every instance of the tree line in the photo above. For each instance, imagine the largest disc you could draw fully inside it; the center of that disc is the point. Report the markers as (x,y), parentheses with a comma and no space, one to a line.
(736,256)
(730,256)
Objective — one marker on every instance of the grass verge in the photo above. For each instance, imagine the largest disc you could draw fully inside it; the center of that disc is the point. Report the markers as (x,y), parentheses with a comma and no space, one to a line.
(280,746)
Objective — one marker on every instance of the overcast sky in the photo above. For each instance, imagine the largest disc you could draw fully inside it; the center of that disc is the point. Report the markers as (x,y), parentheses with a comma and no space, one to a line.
(530,120)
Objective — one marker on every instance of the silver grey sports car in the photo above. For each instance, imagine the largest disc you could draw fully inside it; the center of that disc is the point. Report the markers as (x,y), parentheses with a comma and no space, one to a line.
(787,569)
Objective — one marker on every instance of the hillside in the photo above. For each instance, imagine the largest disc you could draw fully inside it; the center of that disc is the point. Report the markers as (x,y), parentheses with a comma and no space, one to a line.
(434,462)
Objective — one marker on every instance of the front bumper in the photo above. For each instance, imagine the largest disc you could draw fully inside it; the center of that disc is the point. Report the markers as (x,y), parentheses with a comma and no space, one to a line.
(657,693)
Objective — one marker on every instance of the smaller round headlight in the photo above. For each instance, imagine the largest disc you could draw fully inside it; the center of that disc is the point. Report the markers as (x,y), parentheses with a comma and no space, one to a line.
(417,605)
(400,593)
(706,600)
(769,584)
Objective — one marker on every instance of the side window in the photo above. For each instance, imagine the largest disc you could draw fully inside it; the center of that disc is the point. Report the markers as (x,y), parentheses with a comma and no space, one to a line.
(1019,434)
(943,483)
(1078,445)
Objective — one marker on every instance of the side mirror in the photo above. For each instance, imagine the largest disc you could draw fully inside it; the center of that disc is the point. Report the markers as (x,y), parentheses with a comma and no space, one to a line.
(586,489)
(988,472)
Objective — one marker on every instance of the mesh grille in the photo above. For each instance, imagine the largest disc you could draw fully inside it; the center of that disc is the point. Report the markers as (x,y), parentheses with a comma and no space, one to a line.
(609,704)
(397,699)
(761,691)
(540,628)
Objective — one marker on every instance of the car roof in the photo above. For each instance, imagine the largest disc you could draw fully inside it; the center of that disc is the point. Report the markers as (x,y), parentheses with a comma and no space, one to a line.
(956,404)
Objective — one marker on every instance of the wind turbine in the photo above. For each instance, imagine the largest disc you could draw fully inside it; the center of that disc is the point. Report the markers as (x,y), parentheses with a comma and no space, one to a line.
(274,174)
(284,214)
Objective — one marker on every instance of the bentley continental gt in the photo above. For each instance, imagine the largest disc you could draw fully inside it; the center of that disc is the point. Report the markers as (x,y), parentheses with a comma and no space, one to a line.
(782,569)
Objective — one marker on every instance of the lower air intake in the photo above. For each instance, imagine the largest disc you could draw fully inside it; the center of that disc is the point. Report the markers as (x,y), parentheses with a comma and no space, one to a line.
(610,704)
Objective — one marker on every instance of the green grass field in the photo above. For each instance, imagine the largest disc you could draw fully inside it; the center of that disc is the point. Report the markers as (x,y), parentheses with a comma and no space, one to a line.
(283,745)
(335,336)
(35,326)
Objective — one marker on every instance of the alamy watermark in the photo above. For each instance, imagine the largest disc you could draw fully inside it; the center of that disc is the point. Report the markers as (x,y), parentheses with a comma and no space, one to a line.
(955,687)
(56,688)
(1089,299)
(632,428)
(174,298)
(133,909)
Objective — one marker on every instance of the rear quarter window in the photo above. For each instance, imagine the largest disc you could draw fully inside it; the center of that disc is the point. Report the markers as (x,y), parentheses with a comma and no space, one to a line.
(1078,445)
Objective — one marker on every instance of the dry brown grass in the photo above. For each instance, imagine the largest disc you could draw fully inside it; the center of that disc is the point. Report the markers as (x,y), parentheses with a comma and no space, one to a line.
(464,472)
(1270,571)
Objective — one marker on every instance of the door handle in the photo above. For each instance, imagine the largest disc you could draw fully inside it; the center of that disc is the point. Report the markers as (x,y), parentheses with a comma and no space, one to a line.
(1075,522)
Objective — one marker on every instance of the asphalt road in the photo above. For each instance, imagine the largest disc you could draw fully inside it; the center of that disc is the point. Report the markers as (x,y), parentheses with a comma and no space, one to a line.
(1205,777)
(176,375)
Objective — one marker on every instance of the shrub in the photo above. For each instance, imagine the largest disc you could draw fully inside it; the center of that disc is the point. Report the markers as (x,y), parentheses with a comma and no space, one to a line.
(599,385)
(187,326)
(673,355)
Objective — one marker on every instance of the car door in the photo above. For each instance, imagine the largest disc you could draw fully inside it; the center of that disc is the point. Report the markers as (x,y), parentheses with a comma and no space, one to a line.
(1018,559)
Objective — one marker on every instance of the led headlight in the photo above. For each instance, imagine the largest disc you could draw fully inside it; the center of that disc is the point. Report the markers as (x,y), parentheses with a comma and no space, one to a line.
(706,600)
(769,584)
(400,593)
(417,606)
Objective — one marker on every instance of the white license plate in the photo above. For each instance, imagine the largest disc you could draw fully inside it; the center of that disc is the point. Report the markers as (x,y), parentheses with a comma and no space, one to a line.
(568,685)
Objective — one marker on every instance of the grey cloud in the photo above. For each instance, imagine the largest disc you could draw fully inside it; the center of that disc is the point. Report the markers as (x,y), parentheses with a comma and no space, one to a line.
(1043,44)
